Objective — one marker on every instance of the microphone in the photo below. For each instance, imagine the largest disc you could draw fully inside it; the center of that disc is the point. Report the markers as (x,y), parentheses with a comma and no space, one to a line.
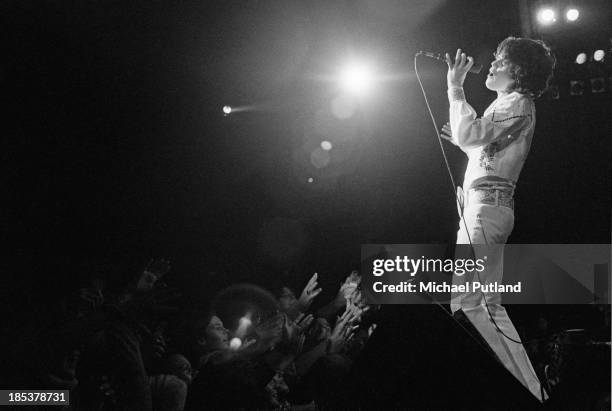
(475,69)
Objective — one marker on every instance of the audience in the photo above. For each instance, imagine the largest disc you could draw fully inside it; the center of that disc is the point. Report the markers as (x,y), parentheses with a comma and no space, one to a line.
(135,347)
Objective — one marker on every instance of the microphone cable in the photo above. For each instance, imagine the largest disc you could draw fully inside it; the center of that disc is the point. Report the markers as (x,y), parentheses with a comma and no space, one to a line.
(454,188)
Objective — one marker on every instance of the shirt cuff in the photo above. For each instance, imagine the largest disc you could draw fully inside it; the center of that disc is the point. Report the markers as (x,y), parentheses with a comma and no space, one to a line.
(456,94)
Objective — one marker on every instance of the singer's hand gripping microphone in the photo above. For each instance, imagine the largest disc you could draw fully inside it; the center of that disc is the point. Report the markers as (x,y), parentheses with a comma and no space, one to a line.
(475,69)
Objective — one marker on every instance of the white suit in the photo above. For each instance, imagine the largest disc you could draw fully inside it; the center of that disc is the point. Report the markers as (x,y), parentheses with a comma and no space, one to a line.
(496,145)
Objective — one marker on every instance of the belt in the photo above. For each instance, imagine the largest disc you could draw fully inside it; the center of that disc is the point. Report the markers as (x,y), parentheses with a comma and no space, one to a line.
(492,196)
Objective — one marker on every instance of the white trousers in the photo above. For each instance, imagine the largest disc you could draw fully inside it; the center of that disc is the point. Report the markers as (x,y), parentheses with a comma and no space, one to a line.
(489,224)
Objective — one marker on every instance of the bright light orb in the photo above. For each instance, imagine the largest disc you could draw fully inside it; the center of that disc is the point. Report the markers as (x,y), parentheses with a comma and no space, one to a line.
(599,55)
(572,14)
(356,79)
(227,110)
(310,179)
(547,16)
(581,58)
(235,343)
(326,145)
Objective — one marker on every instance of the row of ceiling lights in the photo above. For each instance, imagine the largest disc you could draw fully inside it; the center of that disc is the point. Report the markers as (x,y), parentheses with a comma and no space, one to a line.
(598,55)
(548,16)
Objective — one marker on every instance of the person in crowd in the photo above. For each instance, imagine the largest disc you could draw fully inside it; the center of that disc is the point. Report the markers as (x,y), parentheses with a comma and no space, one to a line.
(232,379)
(133,350)
(126,346)
(168,392)
(179,366)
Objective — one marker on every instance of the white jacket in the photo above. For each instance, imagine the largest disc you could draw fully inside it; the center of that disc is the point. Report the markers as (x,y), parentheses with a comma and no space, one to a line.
(496,144)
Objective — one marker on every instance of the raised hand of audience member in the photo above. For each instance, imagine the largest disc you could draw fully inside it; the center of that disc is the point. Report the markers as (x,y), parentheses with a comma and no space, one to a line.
(357,305)
(348,287)
(298,326)
(294,332)
(309,293)
(342,332)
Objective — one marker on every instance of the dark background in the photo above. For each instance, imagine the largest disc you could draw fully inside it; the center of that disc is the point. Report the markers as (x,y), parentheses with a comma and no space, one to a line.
(115,150)
(115,147)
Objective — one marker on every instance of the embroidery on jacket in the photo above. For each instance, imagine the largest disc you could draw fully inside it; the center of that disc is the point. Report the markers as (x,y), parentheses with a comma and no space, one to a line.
(487,157)
(488,152)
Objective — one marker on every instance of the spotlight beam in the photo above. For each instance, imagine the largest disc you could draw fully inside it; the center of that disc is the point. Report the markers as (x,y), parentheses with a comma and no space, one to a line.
(356,78)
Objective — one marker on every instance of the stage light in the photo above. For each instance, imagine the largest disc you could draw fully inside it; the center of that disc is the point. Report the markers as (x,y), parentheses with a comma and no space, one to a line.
(356,78)
(598,85)
(227,110)
(576,88)
(235,343)
(581,58)
(599,55)
(547,16)
(572,14)
(326,145)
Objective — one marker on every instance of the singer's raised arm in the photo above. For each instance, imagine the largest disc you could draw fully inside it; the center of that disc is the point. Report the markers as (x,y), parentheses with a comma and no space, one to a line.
(504,120)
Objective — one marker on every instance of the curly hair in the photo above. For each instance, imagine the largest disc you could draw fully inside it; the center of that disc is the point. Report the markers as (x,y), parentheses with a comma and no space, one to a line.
(533,64)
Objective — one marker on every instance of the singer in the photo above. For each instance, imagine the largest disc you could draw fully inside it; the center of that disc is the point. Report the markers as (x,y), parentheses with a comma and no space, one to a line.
(496,145)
